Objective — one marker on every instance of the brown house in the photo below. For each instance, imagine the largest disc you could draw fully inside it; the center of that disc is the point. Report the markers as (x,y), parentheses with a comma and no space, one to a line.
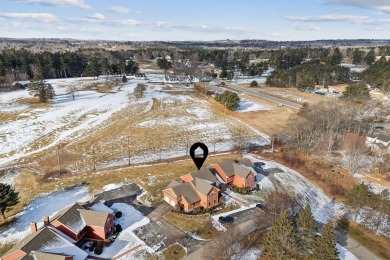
(234,174)
(201,188)
(80,223)
(43,244)
(59,237)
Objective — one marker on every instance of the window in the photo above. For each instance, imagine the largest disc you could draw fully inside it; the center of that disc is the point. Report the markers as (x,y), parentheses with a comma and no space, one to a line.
(209,203)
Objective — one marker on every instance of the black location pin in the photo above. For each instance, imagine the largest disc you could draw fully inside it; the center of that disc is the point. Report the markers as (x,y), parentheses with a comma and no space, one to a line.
(199,158)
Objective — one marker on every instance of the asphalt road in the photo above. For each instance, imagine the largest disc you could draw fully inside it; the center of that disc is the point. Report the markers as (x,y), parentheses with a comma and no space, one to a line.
(257,93)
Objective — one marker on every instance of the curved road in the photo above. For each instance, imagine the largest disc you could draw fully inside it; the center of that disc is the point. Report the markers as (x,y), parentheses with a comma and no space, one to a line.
(257,93)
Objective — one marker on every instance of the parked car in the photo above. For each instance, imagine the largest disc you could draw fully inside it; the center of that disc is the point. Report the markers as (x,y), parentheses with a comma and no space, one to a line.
(259,206)
(227,219)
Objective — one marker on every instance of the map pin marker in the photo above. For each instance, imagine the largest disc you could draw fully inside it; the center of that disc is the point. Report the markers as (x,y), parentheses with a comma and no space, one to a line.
(199,158)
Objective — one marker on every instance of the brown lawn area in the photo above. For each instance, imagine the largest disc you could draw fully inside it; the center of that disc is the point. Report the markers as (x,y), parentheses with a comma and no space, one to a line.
(199,225)
(269,122)
(169,253)
(379,245)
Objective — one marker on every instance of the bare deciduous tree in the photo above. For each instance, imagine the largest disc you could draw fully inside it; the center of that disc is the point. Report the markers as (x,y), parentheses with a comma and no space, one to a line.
(72,91)
(277,202)
(225,245)
(355,152)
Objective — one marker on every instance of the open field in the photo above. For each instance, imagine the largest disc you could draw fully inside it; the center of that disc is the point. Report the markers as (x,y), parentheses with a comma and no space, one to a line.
(102,130)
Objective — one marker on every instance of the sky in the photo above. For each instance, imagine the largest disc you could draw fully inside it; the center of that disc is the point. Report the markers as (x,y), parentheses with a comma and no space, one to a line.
(202,20)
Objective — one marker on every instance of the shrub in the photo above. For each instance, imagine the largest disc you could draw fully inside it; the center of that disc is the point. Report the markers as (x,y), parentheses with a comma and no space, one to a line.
(99,248)
(118,228)
(118,214)
(254,84)
(92,246)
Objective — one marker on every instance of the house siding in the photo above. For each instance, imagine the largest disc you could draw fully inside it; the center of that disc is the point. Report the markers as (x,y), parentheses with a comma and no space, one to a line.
(58,225)
(221,173)
(14,256)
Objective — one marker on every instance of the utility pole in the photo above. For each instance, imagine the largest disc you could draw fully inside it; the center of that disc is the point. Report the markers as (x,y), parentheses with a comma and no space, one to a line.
(272,143)
(215,139)
(225,107)
(128,150)
(58,160)
(93,158)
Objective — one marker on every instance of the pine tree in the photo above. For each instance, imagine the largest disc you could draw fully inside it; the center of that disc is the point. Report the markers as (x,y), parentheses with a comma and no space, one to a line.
(8,198)
(325,245)
(306,231)
(280,241)
(41,89)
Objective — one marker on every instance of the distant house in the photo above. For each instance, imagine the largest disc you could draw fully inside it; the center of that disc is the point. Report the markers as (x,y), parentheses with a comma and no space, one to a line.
(379,144)
(140,76)
(61,235)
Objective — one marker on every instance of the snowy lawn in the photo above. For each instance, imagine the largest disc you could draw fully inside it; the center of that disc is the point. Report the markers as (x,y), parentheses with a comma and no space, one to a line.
(248,106)
(45,205)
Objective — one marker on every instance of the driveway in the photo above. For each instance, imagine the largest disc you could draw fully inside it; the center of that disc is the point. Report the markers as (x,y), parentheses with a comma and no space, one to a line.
(160,230)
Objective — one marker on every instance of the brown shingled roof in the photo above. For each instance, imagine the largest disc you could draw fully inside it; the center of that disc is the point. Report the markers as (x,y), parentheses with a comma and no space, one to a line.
(173,183)
(241,170)
(204,173)
(202,186)
(71,218)
(187,191)
(227,167)
(247,163)
(94,218)
(35,242)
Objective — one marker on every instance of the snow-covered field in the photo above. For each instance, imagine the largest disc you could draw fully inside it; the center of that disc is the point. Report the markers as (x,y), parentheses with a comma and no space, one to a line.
(68,121)
(44,205)
(64,119)
(260,80)
(248,106)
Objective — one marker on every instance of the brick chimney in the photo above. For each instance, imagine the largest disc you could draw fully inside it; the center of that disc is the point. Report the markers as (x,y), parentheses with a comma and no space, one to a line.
(33,227)
(45,221)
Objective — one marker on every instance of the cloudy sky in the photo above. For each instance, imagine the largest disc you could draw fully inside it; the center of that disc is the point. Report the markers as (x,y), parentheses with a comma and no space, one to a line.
(195,19)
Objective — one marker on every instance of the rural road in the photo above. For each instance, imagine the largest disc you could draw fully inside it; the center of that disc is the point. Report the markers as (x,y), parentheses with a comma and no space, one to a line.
(257,93)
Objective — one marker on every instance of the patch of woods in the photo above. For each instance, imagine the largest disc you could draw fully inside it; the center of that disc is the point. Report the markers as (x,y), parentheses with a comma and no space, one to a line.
(335,130)
(283,230)
(371,209)
(16,65)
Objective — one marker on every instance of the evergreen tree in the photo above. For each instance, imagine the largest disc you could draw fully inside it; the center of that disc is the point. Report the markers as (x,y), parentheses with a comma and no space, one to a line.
(370,57)
(280,241)
(124,79)
(306,83)
(254,83)
(41,89)
(325,245)
(357,91)
(306,225)
(8,198)
(228,98)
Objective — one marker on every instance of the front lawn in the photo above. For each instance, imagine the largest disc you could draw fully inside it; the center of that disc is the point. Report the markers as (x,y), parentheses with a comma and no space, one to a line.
(169,253)
(199,225)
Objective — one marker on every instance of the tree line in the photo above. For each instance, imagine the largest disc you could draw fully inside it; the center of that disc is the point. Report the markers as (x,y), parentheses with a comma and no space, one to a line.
(23,64)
